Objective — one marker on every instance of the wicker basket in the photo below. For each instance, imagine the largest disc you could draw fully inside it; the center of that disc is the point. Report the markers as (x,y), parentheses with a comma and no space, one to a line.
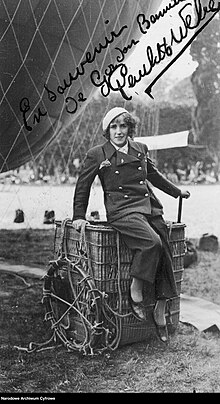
(103,254)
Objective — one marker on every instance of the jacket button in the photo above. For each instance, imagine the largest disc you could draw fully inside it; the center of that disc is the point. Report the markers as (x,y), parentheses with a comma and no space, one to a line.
(116,172)
(139,154)
(141,182)
(125,196)
(122,160)
(146,194)
(120,188)
(140,168)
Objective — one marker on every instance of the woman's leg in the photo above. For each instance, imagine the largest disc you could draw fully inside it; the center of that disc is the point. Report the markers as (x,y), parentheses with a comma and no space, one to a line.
(159,312)
(165,285)
(146,245)
(137,290)
(144,242)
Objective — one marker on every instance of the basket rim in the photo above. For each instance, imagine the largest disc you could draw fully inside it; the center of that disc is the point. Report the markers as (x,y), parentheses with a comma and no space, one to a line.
(105,226)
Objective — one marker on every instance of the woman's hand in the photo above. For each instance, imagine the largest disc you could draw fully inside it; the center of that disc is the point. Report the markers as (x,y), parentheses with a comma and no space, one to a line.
(79,223)
(185,194)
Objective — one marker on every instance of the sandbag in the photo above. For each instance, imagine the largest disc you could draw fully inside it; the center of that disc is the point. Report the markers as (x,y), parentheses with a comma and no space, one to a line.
(208,242)
(19,216)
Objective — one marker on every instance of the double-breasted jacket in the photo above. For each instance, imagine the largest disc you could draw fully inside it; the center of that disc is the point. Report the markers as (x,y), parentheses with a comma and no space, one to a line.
(126,181)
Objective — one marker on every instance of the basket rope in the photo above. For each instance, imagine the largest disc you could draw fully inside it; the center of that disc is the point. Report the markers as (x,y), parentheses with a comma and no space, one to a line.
(93,331)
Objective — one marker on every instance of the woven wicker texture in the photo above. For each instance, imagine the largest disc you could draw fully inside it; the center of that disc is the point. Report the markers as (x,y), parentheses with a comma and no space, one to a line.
(107,260)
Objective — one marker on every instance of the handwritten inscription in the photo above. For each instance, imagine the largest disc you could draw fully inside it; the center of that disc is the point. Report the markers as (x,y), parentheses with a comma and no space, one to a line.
(116,76)
(67,83)
(201,13)
(108,83)
(24,108)
(125,50)
(146,23)
(163,50)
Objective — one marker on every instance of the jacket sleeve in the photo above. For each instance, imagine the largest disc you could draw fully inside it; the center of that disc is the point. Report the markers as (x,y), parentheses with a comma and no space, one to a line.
(82,191)
(159,181)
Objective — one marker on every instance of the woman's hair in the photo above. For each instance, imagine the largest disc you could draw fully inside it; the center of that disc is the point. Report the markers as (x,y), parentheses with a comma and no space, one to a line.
(130,121)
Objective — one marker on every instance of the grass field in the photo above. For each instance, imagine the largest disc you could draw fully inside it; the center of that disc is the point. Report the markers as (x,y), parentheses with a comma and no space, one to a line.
(189,363)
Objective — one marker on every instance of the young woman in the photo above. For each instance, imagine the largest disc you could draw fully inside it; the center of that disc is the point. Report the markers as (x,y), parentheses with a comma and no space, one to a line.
(126,172)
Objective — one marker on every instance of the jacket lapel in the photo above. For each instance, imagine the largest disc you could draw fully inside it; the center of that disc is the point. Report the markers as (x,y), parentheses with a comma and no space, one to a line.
(134,153)
(109,150)
(135,150)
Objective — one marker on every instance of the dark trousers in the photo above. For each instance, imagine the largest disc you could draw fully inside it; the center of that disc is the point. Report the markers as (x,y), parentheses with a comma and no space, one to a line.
(147,237)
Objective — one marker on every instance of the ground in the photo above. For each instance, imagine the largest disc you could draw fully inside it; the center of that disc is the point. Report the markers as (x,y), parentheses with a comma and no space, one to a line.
(188,363)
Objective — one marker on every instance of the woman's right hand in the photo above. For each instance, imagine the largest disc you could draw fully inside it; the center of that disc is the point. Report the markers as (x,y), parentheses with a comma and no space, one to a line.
(79,223)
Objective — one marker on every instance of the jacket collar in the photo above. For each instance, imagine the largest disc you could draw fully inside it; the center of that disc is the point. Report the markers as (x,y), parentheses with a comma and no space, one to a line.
(109,150)
(134,152)
(135,149)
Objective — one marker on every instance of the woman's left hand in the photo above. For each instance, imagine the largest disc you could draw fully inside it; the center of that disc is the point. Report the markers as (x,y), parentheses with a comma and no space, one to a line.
(185,194)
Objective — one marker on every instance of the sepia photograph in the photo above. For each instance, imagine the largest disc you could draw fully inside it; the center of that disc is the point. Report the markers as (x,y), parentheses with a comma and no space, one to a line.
(109,197)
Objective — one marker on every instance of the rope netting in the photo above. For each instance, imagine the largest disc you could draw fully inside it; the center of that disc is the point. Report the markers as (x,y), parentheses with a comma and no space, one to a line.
(49,40)
(80,315)
(85,291)
(51,111)
(55,45)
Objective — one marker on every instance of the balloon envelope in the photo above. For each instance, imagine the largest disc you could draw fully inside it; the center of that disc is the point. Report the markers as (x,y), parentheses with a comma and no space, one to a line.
(48,51)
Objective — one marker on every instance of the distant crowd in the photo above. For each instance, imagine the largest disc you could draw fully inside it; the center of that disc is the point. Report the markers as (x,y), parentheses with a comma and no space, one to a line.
(194,173)
(38,174)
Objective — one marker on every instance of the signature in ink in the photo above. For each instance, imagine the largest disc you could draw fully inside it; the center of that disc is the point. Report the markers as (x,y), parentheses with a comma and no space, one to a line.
(107,82)
(201,13)
(68,100)
(72,103)
(116,76)
(145,24)
(163,50)
(125,50)
(24,108)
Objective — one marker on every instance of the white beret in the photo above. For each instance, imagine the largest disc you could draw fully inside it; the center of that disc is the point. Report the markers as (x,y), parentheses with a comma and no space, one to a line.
(112,114)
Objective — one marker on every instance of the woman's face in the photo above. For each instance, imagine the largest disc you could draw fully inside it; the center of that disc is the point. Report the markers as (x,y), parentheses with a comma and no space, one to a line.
(118,130)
